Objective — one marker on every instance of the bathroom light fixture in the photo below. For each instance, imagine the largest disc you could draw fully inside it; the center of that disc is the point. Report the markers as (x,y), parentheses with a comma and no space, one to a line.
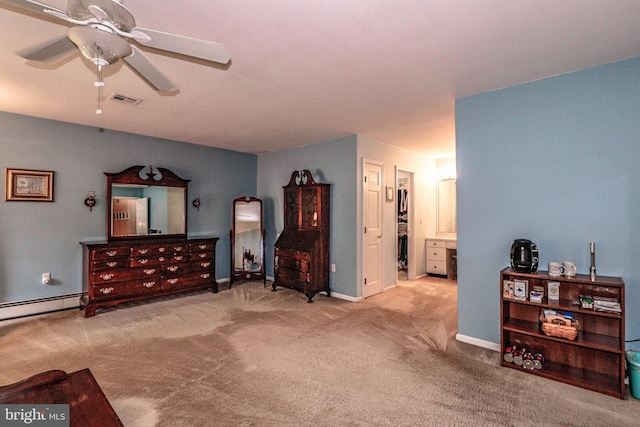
(196,202)
(90,201)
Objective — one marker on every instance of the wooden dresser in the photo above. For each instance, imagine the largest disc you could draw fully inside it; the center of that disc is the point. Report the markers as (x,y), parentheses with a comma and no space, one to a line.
(130,270)
(302,250)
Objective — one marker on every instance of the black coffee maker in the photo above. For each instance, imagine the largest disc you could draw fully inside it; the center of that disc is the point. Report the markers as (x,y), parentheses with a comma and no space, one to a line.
(524,256)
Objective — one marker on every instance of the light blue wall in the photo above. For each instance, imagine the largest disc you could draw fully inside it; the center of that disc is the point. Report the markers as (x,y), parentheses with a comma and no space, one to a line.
(43,237)
(331,162)
(556,161)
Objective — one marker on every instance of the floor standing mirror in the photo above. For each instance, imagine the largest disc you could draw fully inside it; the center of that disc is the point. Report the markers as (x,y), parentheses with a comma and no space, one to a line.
(247,241)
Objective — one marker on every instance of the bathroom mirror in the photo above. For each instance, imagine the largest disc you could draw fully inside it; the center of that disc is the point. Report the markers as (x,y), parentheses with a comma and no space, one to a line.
(247,241)
(447,222)
(144,202)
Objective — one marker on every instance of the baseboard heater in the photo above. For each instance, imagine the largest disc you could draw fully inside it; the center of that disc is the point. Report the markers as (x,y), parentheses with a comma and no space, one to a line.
(11,310)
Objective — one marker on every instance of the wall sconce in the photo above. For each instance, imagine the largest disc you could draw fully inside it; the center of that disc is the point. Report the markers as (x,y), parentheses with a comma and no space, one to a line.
(90,201)
(196,202)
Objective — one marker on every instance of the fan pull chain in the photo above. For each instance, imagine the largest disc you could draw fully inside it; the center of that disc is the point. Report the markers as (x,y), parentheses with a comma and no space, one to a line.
(99,84)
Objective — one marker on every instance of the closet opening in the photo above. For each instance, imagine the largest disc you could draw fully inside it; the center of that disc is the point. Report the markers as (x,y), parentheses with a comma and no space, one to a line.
(403,200)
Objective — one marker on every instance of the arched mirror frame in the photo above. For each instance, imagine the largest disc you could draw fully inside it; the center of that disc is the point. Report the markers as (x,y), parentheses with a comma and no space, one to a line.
(161,177)
(242,274)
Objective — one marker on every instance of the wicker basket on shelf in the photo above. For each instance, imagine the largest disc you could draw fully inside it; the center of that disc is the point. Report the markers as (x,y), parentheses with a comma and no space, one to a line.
(558,326)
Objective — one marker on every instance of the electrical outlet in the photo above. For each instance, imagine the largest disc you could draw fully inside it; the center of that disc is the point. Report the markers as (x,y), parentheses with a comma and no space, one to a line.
(333,268)
(46,278)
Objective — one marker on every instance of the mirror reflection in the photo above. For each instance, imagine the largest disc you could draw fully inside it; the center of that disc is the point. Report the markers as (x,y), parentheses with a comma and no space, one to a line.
(247,240)
(140,210)
(447,222)
(146,202)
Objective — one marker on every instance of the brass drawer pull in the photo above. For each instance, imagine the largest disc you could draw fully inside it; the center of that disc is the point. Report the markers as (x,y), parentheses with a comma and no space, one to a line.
(173,281)
(205,264)
(143,261)
(202,247)
(178,257)
(112,264)
(173,268)
(112,253)
(162,249)
(149,285)
(107,276)
(177,248)
(149,271)
(202,255)
(143,251)
(205,275)
(106,290)
(161,259)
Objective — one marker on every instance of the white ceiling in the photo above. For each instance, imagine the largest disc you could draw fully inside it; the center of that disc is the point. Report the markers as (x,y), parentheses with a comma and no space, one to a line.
(305,71)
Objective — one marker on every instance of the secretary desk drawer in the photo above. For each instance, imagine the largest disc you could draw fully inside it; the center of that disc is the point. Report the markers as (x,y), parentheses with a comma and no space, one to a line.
(292,264)
(285,276)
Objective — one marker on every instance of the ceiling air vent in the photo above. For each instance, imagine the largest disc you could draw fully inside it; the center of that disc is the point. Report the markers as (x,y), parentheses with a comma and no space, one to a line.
(125,99)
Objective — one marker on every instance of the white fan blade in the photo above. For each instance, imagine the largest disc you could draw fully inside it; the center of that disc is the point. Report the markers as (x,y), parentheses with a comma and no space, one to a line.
(49,52)
(202,49)
(148,70)
(34,6)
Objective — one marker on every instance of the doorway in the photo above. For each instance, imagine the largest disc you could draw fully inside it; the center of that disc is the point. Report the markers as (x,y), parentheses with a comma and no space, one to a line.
(406,265)
(372,238)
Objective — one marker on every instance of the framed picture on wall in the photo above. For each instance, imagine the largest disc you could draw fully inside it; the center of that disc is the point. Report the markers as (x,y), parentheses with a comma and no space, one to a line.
(28,185)
(389,194)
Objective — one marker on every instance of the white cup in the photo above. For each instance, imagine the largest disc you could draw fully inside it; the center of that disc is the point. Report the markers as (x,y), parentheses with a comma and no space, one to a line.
(569,268)
(556,269)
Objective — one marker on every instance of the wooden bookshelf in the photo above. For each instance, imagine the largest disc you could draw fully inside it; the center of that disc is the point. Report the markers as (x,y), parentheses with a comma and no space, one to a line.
(595,359)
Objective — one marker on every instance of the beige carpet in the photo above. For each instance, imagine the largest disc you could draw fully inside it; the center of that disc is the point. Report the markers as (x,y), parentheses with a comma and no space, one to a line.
(251,357)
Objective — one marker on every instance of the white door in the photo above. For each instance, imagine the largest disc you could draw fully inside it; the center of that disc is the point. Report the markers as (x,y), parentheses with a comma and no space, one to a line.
(372,207)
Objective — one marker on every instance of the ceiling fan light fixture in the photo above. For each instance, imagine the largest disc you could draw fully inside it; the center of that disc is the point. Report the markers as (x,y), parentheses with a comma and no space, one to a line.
(98,45)
(117,14)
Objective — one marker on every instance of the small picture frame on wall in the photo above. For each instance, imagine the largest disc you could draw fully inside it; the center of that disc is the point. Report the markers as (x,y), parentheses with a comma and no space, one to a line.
(389,194)
(28,185)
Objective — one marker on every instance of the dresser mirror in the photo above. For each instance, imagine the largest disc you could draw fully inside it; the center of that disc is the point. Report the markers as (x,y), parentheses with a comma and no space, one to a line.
(144,202)
(247,240)
(447,221)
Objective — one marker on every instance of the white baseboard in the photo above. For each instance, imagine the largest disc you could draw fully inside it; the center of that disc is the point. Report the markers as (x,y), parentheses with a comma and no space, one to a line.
(346,297)
(10,310)
(478,342)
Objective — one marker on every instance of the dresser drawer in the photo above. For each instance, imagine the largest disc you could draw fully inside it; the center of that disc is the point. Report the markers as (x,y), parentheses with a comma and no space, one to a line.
(174,269)
(186,281)
(111,252)
(201,266)
(437,253)
(144,286)
(437,267)
(110,290)
(436,244)
(200,256)
(203,246)
(109,276)
(110,264)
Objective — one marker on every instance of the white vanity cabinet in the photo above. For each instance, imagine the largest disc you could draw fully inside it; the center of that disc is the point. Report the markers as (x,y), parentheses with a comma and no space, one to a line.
(440,255)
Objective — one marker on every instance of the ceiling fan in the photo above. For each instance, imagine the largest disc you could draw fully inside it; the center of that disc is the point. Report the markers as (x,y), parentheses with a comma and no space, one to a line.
(100,33)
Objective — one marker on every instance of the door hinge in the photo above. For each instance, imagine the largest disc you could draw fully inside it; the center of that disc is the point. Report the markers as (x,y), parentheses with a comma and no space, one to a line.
(365,230)
(365,280)
(365,178)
